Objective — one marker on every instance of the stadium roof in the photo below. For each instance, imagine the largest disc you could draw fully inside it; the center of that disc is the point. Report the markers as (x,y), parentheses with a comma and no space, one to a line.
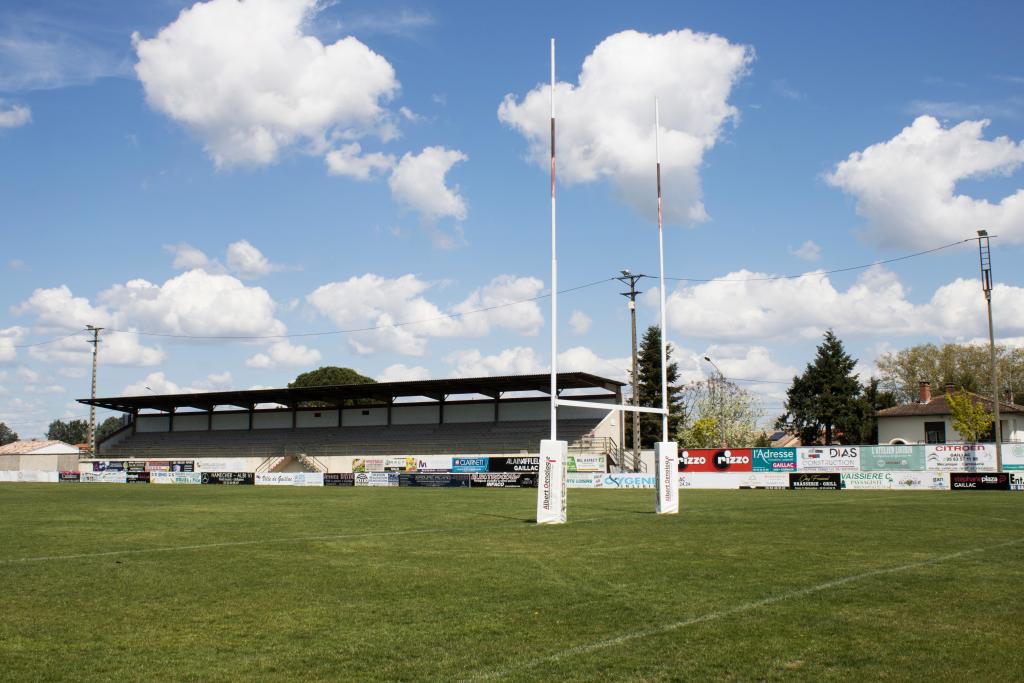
(437,389)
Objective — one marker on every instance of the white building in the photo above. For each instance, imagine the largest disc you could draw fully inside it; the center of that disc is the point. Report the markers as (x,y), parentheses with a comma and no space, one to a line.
(40,456)
(930,421)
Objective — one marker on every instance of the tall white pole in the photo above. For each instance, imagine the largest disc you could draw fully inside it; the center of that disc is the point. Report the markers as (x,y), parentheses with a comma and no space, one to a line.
(661,280)
(554,266)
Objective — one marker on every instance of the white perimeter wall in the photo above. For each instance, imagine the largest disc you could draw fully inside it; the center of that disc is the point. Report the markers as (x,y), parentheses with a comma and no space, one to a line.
(361,417)
(191,422)
(317,418)
(272,420)
(230,421)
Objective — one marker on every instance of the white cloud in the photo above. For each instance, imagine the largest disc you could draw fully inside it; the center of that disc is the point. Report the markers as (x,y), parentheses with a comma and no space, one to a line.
(43,389)
(906,187)
(9,338)
(247,262)
(520,360)
(808,251)
(157,383)
(580,322)
(14,115)
(57,307)
(418,183)
(349,160)
(116,348)
(374,301)
(28,375)
(286,354)
(403,373)
(39,53)
(247,79)
(187,257)
(606,121)
(739,307)
(582,359)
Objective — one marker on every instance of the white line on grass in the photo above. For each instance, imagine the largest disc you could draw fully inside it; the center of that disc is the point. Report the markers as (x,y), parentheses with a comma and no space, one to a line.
(711,616)
(224,544)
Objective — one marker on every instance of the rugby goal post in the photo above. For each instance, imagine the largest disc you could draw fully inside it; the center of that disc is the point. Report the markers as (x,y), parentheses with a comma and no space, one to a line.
(553,474)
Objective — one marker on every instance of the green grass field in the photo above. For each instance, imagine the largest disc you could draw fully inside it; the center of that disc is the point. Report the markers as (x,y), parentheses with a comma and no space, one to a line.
(111,583)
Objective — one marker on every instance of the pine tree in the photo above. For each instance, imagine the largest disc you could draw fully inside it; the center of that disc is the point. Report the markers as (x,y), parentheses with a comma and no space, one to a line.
(649,371)
(826,397)
(7,435)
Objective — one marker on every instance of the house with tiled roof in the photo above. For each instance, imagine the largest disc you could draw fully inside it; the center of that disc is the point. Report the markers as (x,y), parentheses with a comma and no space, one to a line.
(44,456)
(929,420)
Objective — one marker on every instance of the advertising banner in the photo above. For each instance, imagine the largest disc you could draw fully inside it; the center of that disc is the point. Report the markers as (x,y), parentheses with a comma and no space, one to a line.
(666,474)
(37,476)
(368,464)
(979,481)
(108,465)
(551,483)
(816,481)
(157,466)
(434,463)
(434,479)
(382,479)
(505,480)
(175,478)
(715,460)
(308,479)
(137,477)
(898,458)
(523,463)
(339,479)
(275,478)
(712,480)
(627,480)
(1017,481)
(828,459)
(219,465)
(229,478)
(773,459)
(104,477)
(183,466)
(69,476)
(920,481)
(583,480)
(767,480)
(469,464)
(961,457)
(399,464)
(867,480)
(587,463)
(1013,457)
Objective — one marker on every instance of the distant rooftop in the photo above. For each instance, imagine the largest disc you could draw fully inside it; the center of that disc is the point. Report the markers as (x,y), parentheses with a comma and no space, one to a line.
(938,405)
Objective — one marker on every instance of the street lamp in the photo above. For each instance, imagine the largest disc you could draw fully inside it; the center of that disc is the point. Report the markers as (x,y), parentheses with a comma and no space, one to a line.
(986,285)
(719,402)
(630,279)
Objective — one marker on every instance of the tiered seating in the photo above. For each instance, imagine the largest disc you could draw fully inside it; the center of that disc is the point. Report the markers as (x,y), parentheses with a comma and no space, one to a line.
(470,438)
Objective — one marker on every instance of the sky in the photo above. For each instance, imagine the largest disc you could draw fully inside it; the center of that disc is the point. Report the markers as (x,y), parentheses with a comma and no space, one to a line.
(242,190)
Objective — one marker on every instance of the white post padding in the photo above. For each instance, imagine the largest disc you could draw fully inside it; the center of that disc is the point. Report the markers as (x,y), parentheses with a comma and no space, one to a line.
(551,483)
(666,466)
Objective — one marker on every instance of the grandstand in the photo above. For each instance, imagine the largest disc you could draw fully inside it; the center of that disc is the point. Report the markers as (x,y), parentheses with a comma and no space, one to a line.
(326,428)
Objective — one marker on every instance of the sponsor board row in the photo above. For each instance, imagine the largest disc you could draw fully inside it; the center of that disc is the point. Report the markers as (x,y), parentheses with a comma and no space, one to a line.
(937,457)
(468,465)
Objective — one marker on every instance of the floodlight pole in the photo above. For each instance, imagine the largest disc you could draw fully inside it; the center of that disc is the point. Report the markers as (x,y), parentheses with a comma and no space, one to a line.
(554,266)
(985,256)
(95,341)
(631,280)
(661,281)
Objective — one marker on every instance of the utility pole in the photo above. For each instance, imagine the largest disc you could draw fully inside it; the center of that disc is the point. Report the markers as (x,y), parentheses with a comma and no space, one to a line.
(95,341)
(986,285)
(630,279)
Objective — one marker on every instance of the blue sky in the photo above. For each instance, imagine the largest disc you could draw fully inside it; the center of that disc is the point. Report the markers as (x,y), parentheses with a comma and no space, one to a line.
(272,168)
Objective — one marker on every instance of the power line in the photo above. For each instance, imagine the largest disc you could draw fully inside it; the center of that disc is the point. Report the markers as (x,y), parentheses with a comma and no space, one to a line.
(371,328)
(824,272)
(49,341)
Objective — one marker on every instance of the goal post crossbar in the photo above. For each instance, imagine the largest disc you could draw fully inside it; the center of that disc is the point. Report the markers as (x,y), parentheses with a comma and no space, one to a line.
(608,406)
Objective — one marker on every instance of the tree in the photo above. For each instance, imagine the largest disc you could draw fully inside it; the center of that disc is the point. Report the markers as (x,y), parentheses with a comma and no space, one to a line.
(7,435)
(108,427)
(969,417)
(763,440)
(964,365)
(719,413)
(327,376)
(874,398)
(649,389)
(72,431)
(826,397)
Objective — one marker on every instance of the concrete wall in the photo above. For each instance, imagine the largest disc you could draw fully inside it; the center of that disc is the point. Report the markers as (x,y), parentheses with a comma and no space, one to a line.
(272,420)
(191,422)
(317,418)
(230,421)
(512,411)
(415,415)
(54,462)
(153,423)
(355,417)
(481,412)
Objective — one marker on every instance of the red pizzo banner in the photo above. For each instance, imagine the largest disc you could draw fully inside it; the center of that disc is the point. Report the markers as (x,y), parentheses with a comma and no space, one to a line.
(716,460)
